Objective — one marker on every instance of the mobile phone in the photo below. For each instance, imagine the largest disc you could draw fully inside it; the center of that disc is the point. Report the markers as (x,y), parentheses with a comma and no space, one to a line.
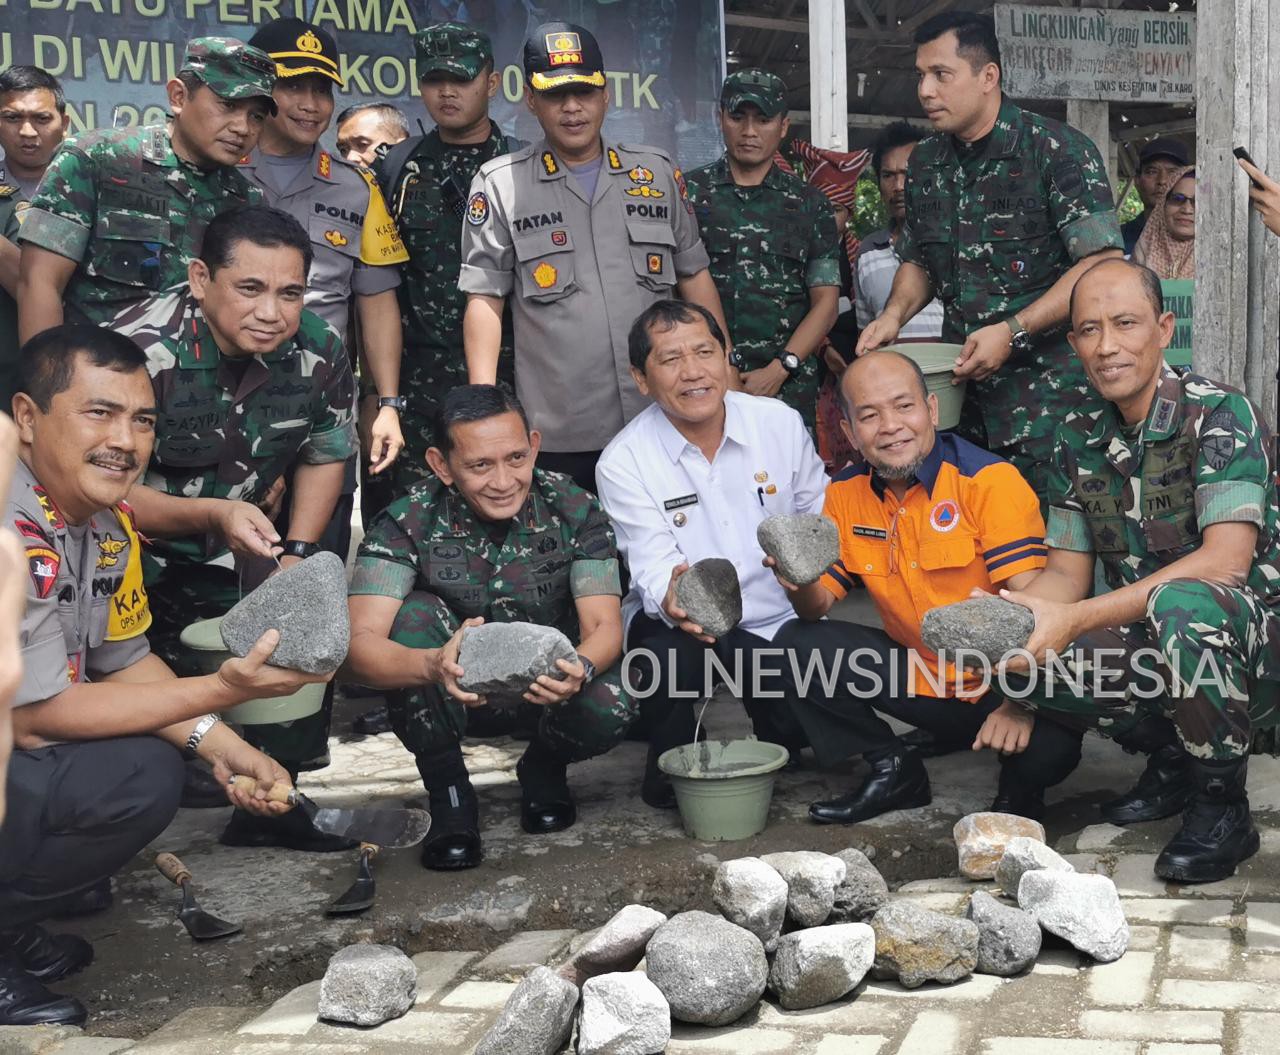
(1243,154)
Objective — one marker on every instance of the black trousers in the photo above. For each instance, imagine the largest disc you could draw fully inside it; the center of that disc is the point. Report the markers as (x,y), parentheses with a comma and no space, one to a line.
(846,720)
(76,814)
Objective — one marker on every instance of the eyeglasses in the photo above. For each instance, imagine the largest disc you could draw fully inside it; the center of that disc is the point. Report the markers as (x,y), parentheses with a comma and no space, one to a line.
(1179,200)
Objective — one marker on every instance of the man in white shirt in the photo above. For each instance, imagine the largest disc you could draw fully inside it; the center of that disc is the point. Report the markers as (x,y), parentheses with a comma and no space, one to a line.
(691,477)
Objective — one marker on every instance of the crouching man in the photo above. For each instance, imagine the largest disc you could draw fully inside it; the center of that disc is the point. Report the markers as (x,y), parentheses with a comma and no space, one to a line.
(926,519)
(98,721)
(1170,483)
(489,538)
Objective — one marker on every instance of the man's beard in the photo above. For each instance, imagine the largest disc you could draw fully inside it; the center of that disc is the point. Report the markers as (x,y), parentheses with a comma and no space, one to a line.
(895,472)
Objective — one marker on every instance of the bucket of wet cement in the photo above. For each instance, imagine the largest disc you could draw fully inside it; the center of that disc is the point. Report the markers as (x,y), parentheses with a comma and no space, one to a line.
(724,787)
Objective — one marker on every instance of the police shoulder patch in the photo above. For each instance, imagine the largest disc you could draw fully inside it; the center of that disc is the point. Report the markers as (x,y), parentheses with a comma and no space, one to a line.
(478,208)
(6,191)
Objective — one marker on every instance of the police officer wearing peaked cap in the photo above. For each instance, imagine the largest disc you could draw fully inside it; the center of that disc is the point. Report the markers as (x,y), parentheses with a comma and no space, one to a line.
(580,237)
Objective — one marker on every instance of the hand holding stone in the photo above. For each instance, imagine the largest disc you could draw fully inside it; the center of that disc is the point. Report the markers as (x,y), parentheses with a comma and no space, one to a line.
(253,678)
(1055,627)
(786,584)
(677,614)
(443,669)
(548,691)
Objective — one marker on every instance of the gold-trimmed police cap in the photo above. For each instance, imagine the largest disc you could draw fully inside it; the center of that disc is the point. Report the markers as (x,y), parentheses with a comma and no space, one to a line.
(299,48)
(561,55)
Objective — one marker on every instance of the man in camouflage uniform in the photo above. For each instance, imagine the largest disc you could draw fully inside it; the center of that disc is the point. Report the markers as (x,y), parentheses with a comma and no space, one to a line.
(489,539)
(1005,210)
(120,213)
(33,122)
(1169,482)
(426,180)
(773,246)
(243,395)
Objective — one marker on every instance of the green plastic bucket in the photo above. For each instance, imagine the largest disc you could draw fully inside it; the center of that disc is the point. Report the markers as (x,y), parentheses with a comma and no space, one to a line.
(937,361)
(723,789)
(204,640)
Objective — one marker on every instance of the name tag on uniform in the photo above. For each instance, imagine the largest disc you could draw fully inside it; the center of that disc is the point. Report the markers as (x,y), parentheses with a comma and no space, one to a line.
(680,503)
(865,531)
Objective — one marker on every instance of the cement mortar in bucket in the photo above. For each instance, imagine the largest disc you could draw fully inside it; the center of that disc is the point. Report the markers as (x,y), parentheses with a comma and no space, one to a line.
(723,788)
(938,361)
(204,641)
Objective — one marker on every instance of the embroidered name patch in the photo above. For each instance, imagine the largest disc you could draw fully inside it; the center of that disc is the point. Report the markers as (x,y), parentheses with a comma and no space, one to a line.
(865,531)
(680,503)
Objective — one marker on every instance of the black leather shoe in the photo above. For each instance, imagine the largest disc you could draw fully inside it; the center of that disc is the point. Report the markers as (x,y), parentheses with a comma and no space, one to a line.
(454,841)
(46,956)
(201,790)
(97,898)
(546,804)
(1164,789)
(1217,830)
(1017,797)
(373,722)
(898,781)
(24,1001)
(926,745)
(292,830)
(655,788)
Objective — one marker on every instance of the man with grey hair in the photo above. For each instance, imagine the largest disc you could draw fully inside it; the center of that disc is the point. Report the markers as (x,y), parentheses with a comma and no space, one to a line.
(367,130)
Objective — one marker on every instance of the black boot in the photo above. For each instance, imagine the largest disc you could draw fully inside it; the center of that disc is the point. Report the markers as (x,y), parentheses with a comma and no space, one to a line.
(201,790)
(1217,830)
(1165,787)
(1014,795)
(373,722)
(24,1001)
(454,840)
(292,830)
(898,781)
(545,802)
(673,729)
(46,957)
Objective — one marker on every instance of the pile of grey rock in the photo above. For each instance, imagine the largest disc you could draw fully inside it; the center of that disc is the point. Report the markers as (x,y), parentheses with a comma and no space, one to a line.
(807,927)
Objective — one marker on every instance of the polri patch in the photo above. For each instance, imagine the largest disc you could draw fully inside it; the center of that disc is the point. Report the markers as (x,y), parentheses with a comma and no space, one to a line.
(655,263)
(866,531)
(680,503)
(478,208)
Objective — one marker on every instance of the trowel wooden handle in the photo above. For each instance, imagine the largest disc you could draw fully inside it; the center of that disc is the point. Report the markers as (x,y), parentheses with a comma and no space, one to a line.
(172,869)
(275,793)
(369,850)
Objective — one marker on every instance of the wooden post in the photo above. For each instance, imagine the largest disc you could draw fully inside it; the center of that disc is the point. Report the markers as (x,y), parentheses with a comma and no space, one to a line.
(828,90)
(1093,118)
(1237,312)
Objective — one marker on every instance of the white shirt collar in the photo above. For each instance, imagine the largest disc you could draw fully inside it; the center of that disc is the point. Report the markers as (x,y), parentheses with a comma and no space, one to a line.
(735,428)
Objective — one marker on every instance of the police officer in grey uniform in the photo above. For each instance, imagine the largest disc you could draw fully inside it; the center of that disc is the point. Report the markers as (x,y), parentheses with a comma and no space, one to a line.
(582,236)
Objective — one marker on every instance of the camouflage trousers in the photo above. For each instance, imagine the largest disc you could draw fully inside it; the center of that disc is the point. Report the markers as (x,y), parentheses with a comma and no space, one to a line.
(428,719)
(1206,656)
(182,594)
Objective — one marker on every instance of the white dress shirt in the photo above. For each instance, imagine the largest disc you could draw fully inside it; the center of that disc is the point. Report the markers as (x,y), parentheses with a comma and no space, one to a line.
(670,505)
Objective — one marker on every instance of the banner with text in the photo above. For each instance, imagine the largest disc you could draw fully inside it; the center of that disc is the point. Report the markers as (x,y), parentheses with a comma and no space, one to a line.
(1180,298)
(664,57)
(1090,53)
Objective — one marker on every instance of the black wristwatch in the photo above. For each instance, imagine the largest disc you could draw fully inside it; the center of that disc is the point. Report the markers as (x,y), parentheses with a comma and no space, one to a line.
(790,362)
(1021,341)
(590,669)
(736,360)
(397,403)
(297,548)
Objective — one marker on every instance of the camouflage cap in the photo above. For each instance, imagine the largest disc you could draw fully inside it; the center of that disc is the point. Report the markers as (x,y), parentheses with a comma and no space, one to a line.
(231,68)
(452,47)
(766,90)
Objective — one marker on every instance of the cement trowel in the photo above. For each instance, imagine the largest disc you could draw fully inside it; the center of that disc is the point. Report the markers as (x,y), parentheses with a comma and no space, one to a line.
(389,829)
(200,924)
(360,895)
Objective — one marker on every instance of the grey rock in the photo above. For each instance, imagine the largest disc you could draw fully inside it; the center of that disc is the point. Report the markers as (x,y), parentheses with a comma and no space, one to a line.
(1023,855)
(711,971)
(1083,909)
(811,879)
(623,1014)
(821,964)
(803,544)
(710,593)
(862,892)
(537,1017)
(989,625)
(307,603)
(751,894)
(916,945)
(367,985)
(501,660)
(617,946)
(1008,938)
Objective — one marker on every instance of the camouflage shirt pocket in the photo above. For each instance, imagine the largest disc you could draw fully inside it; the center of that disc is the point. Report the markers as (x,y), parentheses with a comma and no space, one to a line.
(130,249)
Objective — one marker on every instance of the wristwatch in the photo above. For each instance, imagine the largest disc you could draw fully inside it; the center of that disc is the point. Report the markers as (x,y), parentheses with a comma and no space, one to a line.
(297,548)
(736,360)
(1021,341)
(198,733)
(790,362)
(590,669)
(397,403)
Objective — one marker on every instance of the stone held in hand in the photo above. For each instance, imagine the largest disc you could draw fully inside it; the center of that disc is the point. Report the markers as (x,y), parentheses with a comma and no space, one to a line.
(501,660)
(711,971)
(811,879)
(307,604)
(711,595)
(751,894)
(1082,909)
(862,892)
(803,544)
(536,1019)
(617,946)
(981,840)
(1008,938)
(623,1013)
(367,985)
(1024,855)
(816,966)
(917,945)
(989,625)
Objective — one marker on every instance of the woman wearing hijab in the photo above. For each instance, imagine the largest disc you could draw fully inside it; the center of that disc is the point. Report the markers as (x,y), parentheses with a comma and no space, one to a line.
(1168,242)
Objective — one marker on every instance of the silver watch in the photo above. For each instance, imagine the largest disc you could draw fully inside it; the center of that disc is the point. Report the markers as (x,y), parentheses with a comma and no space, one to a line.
(202,727)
